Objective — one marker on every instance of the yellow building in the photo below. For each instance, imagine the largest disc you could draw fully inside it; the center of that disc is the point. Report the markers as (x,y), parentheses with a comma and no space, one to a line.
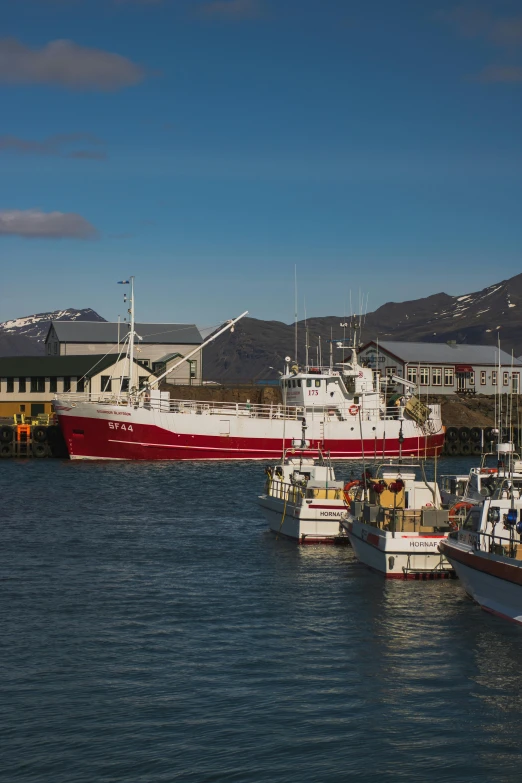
(28,383)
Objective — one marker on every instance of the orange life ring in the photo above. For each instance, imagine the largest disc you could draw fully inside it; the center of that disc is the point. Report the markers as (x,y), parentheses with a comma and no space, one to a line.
(454,516)
(353,410)
(347,487)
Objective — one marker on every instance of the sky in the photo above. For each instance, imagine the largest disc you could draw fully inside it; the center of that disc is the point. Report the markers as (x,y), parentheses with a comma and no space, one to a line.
(210,147)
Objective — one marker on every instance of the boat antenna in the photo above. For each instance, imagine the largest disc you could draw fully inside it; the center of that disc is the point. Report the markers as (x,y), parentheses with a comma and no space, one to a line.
(131,336)
(295,313)
(306,333)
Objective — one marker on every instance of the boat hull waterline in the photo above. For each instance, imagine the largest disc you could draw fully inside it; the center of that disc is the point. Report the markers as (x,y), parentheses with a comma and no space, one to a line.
(139,434)
(402,556)
(493,582)
(315,523)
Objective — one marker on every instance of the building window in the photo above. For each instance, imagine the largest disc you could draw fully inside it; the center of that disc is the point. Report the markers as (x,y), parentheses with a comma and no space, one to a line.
(505,380)
(142,381)
(482,377)
(80,385)
(125,384)
(391,371)
(494,377)
(472,379)
(56,348)
(436,376)
(106,383)
(53,385)
(22,408)
(449,376)
(424,374)
(10,385)
(144,362)
(412,374)
(22,385)
(66,383)
(49,348)
(515,383)
(37,385)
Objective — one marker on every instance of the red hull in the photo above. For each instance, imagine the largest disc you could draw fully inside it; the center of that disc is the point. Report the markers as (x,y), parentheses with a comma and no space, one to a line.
(89,438)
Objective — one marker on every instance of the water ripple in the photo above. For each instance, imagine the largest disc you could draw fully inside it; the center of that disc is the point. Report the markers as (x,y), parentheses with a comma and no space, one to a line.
(152,630)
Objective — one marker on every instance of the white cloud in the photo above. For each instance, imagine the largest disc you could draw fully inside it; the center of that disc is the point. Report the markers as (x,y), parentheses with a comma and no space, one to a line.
(500,74)
(66,64)
(34,224)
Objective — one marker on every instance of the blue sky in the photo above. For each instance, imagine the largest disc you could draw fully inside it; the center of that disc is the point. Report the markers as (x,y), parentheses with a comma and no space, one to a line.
(208,147)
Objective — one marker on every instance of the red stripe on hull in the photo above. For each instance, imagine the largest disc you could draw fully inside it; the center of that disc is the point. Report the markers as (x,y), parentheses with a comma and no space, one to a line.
(91,438)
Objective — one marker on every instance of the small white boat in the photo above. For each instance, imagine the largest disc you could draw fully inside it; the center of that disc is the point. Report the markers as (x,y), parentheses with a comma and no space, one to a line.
(460,492)
(395,524)
(303,500)
(486,552)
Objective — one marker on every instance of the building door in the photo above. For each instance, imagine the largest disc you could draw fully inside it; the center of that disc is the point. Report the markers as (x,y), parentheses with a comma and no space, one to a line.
(461,381)
(36,408)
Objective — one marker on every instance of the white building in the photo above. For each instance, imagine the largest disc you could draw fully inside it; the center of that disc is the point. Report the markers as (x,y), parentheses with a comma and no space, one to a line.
(160,345)
(445,368)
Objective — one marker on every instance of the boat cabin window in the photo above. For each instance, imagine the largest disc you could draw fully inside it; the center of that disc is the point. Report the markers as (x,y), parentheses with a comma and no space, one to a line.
(318,383)
(309,382)
(299,384)
(472,521)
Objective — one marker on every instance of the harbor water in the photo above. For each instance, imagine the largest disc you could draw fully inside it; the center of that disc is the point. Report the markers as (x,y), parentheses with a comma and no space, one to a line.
(152,630)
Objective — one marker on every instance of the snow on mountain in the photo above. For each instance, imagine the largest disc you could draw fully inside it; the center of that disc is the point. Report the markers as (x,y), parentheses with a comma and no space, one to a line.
(26,335)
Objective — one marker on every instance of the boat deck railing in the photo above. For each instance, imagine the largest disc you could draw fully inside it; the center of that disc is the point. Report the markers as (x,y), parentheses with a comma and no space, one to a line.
(294,493)
(498,545)
(401,520)
(334,412)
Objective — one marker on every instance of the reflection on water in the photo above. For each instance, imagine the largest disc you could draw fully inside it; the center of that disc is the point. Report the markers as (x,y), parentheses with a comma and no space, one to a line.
(152,630)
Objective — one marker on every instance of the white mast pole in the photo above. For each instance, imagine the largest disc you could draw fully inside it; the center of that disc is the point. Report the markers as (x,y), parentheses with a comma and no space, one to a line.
(229,325)
(131,335)
(295,312)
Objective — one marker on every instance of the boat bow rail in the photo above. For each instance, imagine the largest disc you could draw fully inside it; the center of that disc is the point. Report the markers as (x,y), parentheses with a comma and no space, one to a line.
(247,409)
(163,405)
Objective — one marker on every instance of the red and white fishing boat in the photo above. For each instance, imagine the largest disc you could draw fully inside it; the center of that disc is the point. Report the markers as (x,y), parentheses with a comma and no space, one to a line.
(343,405)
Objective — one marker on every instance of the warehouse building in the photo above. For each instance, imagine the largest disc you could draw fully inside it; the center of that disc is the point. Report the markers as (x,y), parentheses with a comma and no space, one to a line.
(157,346)
(28,384)
(445,368)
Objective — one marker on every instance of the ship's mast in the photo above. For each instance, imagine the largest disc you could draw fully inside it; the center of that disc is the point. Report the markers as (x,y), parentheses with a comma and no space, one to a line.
(131,335)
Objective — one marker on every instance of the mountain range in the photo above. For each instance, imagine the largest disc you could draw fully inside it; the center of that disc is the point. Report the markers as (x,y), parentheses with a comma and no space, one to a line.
(257,348)
(479,318)
(26,336)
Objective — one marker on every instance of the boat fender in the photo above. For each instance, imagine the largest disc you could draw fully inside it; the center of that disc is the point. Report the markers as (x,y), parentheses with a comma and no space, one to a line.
(396,486)
(40,434)
(6,434)
(353,410)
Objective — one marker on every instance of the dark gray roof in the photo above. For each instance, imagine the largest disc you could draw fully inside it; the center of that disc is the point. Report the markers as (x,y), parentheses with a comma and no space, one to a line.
(446,353)
(54,366)
(105,332)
